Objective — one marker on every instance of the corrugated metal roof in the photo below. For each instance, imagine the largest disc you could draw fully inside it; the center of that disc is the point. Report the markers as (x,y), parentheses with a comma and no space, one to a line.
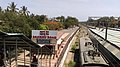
(11,38)
(113,38)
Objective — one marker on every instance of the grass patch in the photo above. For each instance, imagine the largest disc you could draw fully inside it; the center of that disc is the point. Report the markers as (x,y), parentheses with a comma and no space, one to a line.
(71,64)
(75,45)
(73,48)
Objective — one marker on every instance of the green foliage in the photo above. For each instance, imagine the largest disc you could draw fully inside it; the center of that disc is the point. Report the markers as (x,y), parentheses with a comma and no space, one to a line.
(12,7)
(73,48)
(61,19)
(118,23)
(14,20)
(43,27)
(90,20)
(71,64)
(76,43)
(41,18)
(70,22)
(103,21)
(24,11)
(53,25)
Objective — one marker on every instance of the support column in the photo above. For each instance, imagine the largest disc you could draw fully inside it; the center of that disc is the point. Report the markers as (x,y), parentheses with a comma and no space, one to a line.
(4,51)
(30,56)
(46,58)
(106,31)
(50,61)
(38,57)
(16,54)
(24,57)
(9,56)
(41,56)
(56,50)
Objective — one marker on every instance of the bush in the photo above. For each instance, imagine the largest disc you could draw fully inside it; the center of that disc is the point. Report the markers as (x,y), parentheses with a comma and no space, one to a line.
(73,48)
(76,43)
(71,64)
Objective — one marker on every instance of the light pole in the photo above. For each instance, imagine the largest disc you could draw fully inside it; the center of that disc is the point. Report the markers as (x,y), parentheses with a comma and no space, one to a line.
(106,31)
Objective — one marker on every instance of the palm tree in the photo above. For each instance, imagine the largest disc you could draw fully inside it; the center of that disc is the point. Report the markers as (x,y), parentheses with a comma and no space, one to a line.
(24,10)
(12,7)
(0,8)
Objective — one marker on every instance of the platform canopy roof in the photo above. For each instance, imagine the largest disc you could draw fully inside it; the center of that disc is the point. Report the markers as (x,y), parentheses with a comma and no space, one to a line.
(11,39)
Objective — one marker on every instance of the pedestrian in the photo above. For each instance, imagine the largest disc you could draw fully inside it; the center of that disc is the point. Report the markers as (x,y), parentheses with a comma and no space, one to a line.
(34,61)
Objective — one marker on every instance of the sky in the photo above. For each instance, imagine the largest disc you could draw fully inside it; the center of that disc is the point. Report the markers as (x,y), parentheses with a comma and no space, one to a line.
(82,9)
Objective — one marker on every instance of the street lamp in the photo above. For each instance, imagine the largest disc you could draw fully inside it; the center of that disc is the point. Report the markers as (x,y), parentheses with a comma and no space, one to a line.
(106,31)
(106,28)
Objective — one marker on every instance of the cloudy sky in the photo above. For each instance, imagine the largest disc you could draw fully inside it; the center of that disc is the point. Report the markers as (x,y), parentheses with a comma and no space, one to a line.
(81,9)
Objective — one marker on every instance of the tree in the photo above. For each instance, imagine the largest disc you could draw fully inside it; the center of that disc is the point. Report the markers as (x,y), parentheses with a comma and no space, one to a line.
(13,20)
(24,11)
(118,21)
(12,7)
(1,13)
(34,24)
(90,20)
(53,25)
(70,22)
(0,8)
(43,27)
(60,19)
(41,18)
(104,20)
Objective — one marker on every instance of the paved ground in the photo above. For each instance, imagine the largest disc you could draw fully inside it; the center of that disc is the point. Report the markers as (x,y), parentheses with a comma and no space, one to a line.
(75,57)
(51,62)
(70,55)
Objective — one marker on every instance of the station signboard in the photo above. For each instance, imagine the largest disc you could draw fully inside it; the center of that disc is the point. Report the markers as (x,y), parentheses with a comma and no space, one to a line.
(44,36)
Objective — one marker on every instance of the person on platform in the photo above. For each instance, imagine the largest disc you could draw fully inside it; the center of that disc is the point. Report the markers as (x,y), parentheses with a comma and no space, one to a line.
(34,61)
